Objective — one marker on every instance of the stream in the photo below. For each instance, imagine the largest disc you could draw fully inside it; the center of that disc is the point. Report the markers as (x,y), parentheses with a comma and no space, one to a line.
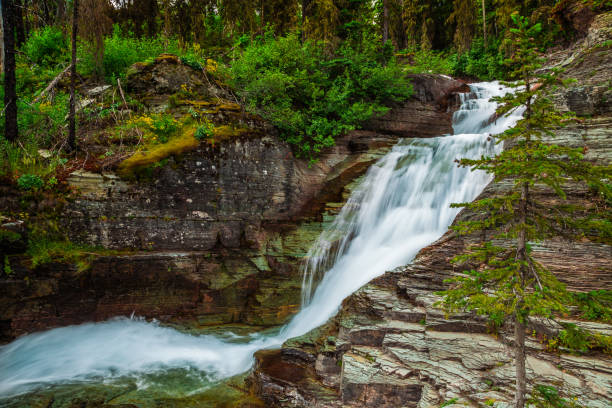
(401,205)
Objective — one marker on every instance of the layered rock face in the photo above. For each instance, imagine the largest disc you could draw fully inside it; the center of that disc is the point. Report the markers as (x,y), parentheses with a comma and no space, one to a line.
(216,235)
(390,346)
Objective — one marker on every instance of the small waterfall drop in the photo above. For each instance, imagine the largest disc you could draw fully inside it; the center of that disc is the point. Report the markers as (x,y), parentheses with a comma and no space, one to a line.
(401,206)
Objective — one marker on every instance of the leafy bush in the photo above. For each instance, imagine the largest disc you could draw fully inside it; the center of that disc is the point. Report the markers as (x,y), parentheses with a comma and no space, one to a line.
(486,64)
(30,182)
(430,61)
(546,396)
(313,97)
(595,305)
(46,47)
(163,126)
(580,340)
(205,131)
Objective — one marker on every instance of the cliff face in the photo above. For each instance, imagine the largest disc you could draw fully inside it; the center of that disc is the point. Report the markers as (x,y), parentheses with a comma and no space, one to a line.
(389,346)
(216,235)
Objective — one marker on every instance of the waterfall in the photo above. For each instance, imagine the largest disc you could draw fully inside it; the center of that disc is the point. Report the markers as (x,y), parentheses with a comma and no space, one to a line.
(401,206)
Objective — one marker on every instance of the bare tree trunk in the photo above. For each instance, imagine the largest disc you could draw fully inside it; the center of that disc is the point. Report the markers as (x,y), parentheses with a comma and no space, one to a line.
(60,15)
(519,323)
(1,41)
(10,82)
(305,5)
(385,33)
(166,24)
(519,358)
(484,23)
(73,79)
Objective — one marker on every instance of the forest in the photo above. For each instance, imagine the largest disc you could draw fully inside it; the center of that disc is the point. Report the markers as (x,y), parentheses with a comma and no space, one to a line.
(284,54)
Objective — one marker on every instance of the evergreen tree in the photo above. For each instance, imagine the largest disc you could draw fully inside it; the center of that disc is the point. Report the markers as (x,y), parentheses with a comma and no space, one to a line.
(280,14)
(94,16)
(239,16)
(322,20)
(506,282)
(464,16)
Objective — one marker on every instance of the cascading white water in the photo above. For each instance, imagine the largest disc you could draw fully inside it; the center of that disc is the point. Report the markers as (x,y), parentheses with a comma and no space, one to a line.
(401,206)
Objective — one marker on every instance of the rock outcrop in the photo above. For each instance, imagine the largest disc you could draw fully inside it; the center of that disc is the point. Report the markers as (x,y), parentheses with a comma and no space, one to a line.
(390,346)
(216,235)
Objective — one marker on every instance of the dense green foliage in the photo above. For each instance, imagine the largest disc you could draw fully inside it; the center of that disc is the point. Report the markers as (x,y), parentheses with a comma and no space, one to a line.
(46,46)
(311,96)
(121,51)
(546,396)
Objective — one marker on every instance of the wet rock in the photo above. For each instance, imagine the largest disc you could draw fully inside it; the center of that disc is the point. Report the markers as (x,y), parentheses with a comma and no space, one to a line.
(426,358)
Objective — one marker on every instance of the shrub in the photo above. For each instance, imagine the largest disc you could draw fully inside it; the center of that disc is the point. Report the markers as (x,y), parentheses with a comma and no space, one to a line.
(478,62)
(121,51)
(163,126)
(46,47)
(546,396)
(430,61)
(30,182)
(313,96)
(205,131)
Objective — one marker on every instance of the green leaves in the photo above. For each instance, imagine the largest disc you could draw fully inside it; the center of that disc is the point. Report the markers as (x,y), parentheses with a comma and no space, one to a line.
(313,97)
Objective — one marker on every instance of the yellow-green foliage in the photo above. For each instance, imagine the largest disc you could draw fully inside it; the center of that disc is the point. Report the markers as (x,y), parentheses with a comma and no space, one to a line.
(211,66)
(156,153)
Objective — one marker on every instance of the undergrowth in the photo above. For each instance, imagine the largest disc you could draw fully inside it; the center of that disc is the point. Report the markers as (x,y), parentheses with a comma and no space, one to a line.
(313,96)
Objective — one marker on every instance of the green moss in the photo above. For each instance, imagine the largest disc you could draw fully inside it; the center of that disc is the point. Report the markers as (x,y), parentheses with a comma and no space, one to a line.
(226,132)
(42,250)
(169,58)
(183,143)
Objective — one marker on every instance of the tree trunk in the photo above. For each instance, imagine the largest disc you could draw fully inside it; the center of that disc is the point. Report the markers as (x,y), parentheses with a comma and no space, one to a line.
(385,33)
(73,79)
(61,11)
(519,358)
(484,24)
(19,28)
(1,40)
(519,322)
(305,5)
(10,82)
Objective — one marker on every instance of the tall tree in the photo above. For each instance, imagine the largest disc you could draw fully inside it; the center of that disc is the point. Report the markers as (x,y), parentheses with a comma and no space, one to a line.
(305,10)
(280,14)
(10,81)
(385,21)
(464,17)
(506,281)
(19,25)
(239,16)
(95,15)
(503,13)
(322,20)
(73,79)
(484,23)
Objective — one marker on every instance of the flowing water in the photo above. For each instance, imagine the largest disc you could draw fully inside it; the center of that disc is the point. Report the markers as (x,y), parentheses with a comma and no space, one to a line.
(401,206)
